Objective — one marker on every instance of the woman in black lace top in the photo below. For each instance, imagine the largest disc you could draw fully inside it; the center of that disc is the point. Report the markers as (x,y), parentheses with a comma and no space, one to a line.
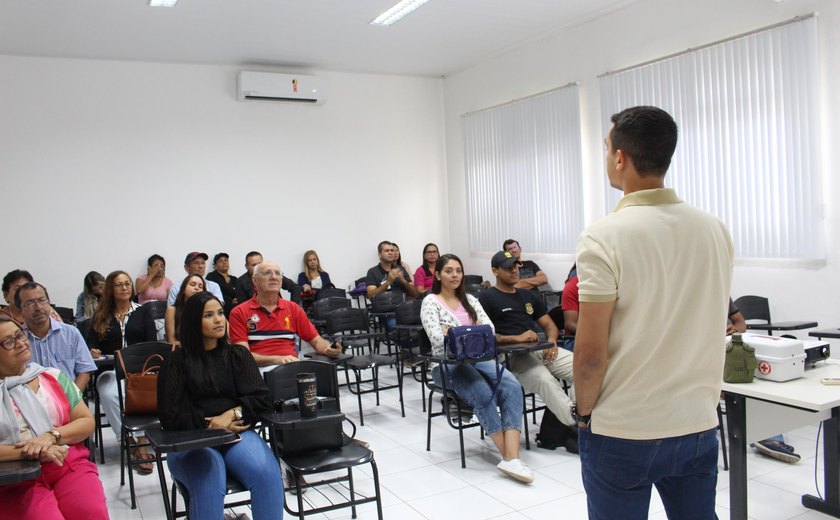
(209,383)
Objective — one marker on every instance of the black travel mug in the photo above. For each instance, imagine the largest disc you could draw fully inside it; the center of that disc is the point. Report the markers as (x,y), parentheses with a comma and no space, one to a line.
(307,394)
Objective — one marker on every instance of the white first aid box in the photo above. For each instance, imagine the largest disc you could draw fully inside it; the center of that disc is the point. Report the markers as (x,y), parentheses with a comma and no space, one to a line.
(779,359)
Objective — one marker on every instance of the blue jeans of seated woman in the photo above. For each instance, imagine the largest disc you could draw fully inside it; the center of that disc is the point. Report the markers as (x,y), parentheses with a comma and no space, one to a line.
(203,473)
(474,385)
(618,475)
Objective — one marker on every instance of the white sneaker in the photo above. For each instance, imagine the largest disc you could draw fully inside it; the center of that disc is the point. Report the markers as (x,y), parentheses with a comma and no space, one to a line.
(516,470)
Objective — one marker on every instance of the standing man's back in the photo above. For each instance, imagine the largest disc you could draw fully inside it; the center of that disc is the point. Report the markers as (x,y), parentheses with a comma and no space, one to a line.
(654,279)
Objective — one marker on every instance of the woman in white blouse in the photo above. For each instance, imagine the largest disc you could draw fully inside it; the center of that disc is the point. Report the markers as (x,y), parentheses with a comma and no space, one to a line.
(499,412)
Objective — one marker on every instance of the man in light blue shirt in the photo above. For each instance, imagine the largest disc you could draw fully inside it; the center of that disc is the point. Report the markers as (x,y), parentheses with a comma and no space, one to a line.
(195,263)
(53,344)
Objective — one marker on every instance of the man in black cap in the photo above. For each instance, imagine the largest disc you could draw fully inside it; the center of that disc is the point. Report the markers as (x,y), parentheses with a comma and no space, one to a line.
(518,315)
(196,263)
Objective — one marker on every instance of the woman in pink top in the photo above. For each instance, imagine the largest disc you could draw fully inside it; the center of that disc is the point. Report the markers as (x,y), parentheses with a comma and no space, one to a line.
(496,400)
(424,275)
(154,285)
(43,418)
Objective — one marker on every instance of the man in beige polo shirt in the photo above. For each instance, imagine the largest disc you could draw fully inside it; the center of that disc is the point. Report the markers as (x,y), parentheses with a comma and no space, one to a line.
(654,279)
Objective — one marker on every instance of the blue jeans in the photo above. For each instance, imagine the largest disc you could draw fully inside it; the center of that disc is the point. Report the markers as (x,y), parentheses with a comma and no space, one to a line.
(474,385)
(618,475)
(203,472)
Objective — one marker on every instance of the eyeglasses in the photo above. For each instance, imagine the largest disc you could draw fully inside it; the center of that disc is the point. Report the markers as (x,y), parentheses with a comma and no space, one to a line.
(10,342)
(29,304)
(268,274)
(122,285)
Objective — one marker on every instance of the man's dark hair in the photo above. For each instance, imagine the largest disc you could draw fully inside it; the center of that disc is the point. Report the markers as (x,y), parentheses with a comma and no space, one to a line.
(28,286)
(154,257)
(648,135)
(249,255)
(221,255)
(383,244)
(13,276)
(509,242)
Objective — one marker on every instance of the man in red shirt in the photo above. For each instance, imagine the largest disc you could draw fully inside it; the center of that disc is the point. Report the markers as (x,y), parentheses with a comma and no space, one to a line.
(267,325)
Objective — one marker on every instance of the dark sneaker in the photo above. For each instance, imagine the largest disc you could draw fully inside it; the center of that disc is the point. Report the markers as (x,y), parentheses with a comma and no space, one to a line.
(778,450)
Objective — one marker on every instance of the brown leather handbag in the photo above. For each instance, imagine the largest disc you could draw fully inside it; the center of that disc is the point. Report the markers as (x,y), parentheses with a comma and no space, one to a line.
(141,388)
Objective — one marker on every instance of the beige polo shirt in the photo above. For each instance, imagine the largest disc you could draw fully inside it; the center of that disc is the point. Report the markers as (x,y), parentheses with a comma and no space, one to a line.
(668,267)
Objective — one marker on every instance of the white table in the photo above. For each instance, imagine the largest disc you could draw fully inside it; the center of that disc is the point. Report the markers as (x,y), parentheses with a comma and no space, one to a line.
(761,409)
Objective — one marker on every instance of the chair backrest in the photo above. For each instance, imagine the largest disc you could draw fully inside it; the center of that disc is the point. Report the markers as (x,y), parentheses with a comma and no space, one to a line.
(425,343)
(332,292)
(135,356)
(347,320)
(66,314)
(754,308)
(408,313)
(321,308)
(156,309)
(474,288)
(84,327)
(387,301)
(470,279)
(282,380)
(556,315)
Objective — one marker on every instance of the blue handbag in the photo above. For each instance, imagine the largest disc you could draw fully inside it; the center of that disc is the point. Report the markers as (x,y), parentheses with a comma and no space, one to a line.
(470,343)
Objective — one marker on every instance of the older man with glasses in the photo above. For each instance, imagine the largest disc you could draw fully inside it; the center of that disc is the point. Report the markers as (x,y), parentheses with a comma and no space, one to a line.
(267,324)
(53,344)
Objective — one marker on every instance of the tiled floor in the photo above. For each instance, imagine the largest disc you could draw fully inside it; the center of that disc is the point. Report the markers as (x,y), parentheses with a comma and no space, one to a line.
(420,484)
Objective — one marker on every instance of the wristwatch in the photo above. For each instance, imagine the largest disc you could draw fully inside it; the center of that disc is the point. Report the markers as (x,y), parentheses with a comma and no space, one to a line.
(237,413)
(57,434)
(582,420)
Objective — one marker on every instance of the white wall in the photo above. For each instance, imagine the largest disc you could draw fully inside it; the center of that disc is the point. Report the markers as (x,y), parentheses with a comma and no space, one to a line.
(104,163)
(649,30)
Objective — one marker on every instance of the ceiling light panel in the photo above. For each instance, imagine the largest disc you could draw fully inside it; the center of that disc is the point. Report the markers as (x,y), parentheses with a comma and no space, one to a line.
(395,13)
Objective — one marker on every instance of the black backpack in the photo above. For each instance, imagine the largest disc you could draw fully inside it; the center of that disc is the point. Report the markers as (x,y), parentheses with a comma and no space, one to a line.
(552,433)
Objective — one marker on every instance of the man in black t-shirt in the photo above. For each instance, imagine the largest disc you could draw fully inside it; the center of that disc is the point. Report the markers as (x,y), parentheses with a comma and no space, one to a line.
(387,276)
(518,315)
(530,274)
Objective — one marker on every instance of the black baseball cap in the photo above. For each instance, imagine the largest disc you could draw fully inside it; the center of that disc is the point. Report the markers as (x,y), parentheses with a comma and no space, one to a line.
(504,260)
(220,255)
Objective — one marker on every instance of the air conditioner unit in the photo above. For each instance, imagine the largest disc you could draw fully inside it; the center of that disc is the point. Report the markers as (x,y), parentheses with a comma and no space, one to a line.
(299,88)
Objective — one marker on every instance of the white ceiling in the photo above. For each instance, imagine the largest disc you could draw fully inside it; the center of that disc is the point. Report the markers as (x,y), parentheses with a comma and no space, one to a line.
(440,38)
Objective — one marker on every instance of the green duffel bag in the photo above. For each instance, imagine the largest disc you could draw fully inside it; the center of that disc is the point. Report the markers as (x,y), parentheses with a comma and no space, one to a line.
(740,361)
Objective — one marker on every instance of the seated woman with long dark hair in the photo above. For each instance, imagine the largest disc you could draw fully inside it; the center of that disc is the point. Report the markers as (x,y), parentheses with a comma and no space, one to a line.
(43,418)
(118,323)
(424,277)
(499,413)
(192,285)
(209,383)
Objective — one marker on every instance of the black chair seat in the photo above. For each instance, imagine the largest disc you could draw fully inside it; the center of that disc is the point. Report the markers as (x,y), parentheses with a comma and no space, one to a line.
(369,361)
(330,460)
(282,384)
